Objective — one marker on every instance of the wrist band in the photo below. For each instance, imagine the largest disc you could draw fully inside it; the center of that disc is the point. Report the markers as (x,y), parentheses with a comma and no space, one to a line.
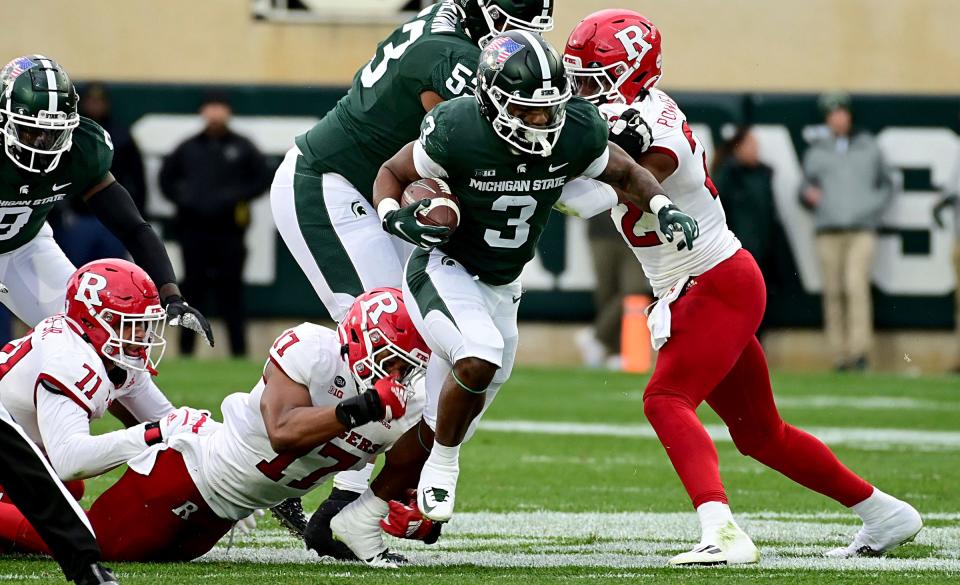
(658,202)
(151,433)
(386,206)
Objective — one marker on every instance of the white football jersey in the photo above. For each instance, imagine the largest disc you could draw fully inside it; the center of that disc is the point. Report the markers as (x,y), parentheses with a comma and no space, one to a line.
(689,187)
(55,356)
(235,468)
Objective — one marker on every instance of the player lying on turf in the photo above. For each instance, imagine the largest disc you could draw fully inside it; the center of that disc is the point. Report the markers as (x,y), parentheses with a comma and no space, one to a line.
(507,154)
(321,193)
(328,401)
(72,366)
(710,302)
(52,153)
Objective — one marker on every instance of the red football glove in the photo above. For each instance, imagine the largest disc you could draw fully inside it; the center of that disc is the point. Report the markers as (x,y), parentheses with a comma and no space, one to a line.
(393,397)
(406,521)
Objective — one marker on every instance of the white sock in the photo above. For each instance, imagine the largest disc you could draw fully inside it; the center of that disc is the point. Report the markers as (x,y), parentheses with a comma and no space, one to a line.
(876,508)
(369,506)
(354,480)
(713,517)
(445,456)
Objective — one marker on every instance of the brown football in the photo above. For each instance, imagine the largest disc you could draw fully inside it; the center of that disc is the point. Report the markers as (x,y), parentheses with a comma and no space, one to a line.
(444,207)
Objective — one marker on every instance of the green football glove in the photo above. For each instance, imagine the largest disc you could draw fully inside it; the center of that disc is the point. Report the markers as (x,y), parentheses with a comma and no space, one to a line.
(404,224)
(674,220)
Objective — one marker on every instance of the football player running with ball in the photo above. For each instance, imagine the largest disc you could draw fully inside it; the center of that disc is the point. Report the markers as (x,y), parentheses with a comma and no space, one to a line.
(506,153)
(52,153)
(327,401)
(710,302)
(322,191)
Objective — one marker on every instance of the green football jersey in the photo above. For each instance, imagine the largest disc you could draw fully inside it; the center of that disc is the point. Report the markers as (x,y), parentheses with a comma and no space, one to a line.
(26,198)
(382,111)
(505,197)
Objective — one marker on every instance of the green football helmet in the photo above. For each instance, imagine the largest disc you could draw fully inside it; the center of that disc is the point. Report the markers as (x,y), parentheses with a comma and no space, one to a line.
(485,19)
(523,89)
(38,111)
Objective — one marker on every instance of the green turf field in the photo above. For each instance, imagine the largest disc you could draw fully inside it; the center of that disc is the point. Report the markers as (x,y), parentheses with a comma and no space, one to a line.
(565,482)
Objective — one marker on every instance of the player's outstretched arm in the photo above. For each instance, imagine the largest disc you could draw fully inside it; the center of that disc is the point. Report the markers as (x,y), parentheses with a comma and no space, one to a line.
(294,424)
(114,207)
(637,184)
(394,176)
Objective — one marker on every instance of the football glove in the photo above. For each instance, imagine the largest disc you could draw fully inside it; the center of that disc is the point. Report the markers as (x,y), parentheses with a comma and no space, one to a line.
(249,524)
(183,315)
(386,401)
(404,224)
(674,220)
(406,521)
(186,420)
(393,397)
(632,133)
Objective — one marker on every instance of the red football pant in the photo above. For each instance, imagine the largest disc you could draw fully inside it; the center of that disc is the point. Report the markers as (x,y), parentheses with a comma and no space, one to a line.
(713,355)
(158,517)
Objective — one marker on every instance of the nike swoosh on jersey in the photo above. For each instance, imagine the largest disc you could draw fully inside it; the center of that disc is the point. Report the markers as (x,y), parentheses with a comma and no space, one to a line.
(58,187)
(558,167)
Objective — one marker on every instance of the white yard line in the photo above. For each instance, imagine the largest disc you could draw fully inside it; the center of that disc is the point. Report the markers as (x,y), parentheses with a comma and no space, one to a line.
(860,437)
(633,540)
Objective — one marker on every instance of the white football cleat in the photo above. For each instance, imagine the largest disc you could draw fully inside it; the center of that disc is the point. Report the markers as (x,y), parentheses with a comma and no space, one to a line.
(436,491)
(899,527)
(729,546)
(355,527)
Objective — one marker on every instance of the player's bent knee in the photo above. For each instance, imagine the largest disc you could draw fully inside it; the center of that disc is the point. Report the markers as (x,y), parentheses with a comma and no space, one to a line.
(659,407)
(757,442)
(474,374)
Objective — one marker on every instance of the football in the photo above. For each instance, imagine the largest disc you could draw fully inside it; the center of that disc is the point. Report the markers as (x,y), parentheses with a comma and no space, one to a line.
(444,208)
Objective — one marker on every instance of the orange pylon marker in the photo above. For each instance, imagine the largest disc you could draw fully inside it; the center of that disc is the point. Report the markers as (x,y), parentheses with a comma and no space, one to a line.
(635,351)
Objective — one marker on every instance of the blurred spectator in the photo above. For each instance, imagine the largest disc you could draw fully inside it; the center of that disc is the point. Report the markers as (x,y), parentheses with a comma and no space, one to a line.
(618,274)
(949,199)
(211,178)
(746,193)
(847,186)
(80,234)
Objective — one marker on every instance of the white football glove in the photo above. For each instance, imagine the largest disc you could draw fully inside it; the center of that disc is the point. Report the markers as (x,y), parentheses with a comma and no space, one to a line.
(632,133)
(249,524)
(187,420)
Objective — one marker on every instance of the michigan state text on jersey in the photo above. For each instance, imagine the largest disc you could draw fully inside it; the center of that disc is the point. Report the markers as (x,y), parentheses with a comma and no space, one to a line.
(321,194)
(53,153)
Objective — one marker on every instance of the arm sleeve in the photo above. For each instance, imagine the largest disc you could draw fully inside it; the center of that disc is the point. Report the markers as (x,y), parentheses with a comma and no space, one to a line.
(145,401)
(114,207)
(586,198)
(73,452)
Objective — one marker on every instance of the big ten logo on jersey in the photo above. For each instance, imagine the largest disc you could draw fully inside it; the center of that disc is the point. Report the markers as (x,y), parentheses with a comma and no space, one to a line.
(88,292)
(359,441)
(339,382)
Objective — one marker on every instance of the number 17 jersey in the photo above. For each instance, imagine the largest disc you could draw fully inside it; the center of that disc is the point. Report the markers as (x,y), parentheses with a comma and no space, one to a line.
(382,111)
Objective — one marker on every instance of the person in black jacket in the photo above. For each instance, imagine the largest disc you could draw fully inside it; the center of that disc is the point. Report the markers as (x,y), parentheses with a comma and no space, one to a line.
(211,178)
(746,193)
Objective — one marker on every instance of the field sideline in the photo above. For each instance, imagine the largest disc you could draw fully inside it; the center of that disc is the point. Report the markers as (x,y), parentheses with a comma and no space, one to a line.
(566,482)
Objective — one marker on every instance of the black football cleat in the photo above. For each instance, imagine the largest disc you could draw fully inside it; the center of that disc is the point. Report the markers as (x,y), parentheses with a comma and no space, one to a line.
(319,537)
(96,574)
(289,513)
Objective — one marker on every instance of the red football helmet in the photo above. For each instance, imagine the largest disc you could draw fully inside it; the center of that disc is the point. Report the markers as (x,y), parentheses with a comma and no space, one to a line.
(117,307)
(377,330)
(614,56)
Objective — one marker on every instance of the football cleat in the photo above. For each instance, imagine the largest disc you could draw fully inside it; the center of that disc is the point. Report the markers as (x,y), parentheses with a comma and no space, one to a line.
(289,513)
(730,546)
(436,492)
(360,531)
(900,527)
(96,574)
(319,537)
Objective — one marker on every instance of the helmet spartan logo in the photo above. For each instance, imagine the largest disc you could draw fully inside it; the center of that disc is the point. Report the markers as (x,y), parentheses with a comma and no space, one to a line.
(88,293)
(633,42)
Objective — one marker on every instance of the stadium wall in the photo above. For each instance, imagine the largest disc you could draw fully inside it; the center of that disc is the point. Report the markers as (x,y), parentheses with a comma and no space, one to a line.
(757,45)
(913,275)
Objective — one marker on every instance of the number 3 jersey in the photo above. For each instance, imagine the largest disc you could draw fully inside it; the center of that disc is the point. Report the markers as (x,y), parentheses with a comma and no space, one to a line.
(382,111)
(235,468)
(689,187)
(26,198)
